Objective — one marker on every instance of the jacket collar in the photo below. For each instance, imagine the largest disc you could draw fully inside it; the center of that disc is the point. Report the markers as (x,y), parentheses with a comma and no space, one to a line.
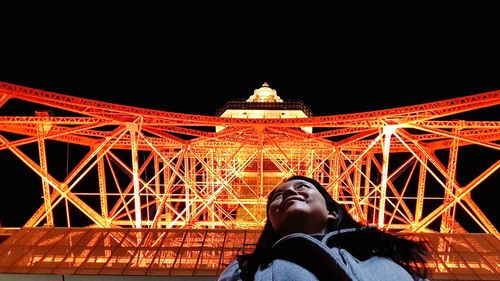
(346,230)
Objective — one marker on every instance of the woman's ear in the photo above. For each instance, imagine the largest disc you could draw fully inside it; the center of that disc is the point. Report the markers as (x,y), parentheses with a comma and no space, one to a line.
(334,215)
(331,220)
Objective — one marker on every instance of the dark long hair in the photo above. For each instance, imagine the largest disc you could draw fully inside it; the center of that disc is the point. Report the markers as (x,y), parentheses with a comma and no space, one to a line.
(408,253)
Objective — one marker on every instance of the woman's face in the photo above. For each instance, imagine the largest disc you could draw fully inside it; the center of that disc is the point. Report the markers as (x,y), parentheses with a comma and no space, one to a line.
(297,206)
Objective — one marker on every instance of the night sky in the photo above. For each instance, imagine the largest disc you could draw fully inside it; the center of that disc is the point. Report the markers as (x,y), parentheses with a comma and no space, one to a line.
(194,59)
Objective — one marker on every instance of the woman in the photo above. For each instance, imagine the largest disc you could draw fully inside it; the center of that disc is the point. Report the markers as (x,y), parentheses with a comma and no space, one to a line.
(309,236)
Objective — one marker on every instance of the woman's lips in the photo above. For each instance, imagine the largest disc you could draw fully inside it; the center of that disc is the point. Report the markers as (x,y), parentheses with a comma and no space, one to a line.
(290,199)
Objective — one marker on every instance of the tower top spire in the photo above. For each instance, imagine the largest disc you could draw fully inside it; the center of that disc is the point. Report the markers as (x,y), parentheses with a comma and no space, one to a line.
(264,94)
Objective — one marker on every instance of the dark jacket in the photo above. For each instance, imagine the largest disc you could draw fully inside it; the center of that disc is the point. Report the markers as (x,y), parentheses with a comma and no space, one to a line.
(306,257)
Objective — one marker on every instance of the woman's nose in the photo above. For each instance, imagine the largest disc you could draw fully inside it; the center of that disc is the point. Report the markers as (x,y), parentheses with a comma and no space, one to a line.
(289,190)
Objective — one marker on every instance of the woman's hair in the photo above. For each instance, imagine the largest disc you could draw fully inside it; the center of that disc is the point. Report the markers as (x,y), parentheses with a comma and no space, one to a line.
(410,254)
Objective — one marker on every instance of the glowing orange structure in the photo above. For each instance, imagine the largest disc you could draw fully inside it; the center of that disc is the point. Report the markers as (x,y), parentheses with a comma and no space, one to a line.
(178,194)
(144,168)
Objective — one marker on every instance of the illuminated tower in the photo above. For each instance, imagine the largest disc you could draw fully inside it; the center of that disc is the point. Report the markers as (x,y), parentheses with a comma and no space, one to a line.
(260,170)
(265,103)
(166,193)
(135,167)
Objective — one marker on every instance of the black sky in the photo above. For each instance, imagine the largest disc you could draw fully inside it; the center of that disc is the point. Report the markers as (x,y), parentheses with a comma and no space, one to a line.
(193,59)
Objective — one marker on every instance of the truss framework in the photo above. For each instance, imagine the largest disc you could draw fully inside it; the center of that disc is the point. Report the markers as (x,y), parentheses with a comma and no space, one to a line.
(396,168)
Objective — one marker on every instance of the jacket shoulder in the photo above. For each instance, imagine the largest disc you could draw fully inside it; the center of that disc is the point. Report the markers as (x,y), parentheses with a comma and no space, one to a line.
(376,268)
(231,272)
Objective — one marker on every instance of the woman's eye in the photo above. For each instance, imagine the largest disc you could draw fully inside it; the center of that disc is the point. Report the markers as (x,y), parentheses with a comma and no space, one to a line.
(301,186)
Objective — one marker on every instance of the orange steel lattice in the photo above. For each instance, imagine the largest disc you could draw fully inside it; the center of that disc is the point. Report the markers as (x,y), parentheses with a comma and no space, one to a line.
(142,168)
(202,252)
